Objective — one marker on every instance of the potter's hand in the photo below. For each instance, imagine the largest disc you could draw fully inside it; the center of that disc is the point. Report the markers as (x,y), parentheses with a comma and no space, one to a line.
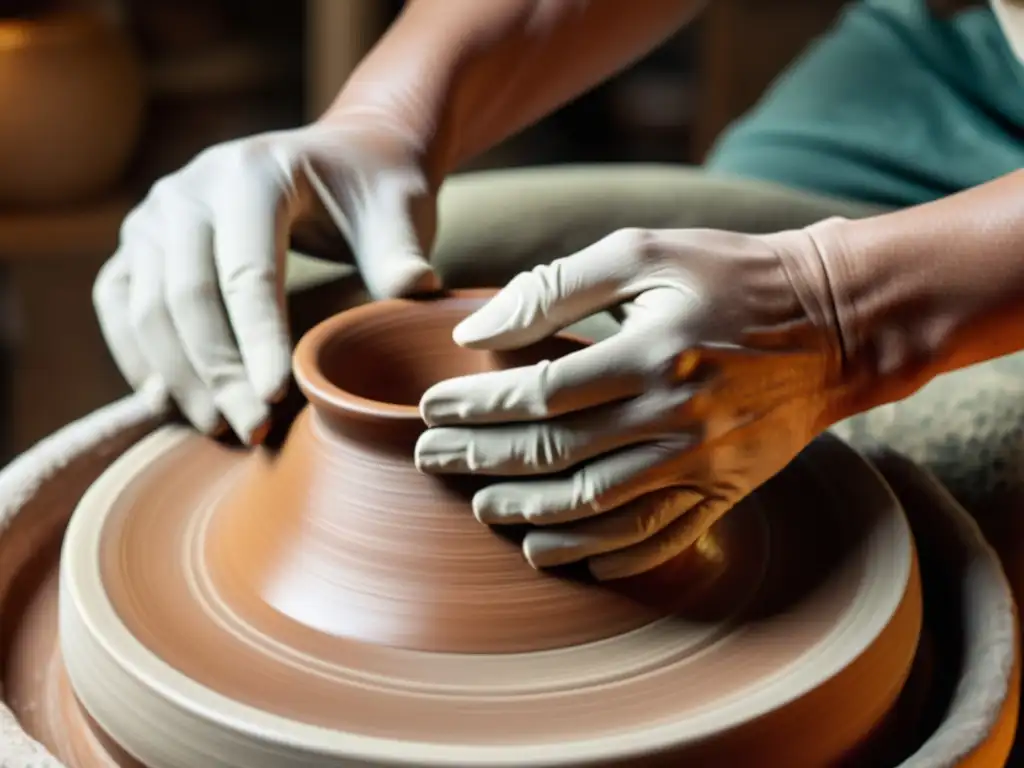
(624,453)
(194,295)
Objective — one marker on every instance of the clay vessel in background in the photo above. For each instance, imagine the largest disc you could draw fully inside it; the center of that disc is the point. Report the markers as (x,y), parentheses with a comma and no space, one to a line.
(71,107)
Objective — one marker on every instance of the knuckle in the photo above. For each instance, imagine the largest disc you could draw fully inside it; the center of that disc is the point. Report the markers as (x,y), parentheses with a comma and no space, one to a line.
(588,486)
(543,447)
(244,154)
(134,223)
(219,154)
(660,355)
(164,189)
(189,295)
(524,283)
(104,284)
(256,277)
(208,155)
(536,390)
(640,243)
(147,314)
(658,409)
(650,513)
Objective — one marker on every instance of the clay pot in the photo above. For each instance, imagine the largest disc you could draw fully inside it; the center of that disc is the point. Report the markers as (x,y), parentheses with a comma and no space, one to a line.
(71,107)
(327,603)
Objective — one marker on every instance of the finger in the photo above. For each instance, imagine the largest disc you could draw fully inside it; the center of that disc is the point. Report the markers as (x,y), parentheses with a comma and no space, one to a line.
(597,487)
(549,446)
(197,311)
(380,225)
(250,242)
(159,343)
(110,298)
(672,540)
(550,297)
(613,369)
(622,528)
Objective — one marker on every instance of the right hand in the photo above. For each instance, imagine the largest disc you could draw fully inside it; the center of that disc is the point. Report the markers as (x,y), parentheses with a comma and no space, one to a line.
(193,299)
(624,453)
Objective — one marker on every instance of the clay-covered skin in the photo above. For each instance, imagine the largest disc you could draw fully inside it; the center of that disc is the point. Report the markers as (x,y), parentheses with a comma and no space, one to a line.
(328,595)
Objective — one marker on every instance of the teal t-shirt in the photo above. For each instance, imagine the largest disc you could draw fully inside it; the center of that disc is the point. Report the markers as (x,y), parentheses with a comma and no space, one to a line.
(892,106)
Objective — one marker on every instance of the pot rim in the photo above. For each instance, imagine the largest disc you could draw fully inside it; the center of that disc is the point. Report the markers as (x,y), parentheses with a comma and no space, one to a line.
(325,394)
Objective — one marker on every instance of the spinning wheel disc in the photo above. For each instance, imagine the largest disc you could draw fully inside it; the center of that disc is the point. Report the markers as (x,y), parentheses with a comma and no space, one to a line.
(144,645)
(329,604)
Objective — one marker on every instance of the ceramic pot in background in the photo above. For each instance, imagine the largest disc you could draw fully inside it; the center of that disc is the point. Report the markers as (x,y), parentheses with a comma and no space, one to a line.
(71,107)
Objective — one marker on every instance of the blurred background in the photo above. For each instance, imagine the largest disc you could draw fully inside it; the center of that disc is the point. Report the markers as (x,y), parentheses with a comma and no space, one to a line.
(99,98)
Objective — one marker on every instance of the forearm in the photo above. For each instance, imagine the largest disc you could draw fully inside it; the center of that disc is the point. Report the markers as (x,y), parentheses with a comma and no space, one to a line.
(463,75)
(927,290)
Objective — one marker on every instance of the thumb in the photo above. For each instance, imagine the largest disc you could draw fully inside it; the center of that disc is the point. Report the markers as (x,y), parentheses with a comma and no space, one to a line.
(540,302)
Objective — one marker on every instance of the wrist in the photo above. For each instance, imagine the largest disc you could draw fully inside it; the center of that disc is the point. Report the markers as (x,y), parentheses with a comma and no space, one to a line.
(872,335)
(805,269)
(892,330)
(440,72)
(418,131)
(405,85)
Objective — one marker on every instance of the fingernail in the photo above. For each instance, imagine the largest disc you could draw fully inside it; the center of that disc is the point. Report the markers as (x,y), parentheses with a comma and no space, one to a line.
(441,450)
(259,434)
(278,395)
(246,413)
(492,319)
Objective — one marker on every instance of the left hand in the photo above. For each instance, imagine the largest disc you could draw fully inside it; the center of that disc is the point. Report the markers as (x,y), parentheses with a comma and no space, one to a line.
(727,365)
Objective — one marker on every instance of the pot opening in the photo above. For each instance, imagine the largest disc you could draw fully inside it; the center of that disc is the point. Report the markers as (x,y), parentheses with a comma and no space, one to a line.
(396,363)
(379,360)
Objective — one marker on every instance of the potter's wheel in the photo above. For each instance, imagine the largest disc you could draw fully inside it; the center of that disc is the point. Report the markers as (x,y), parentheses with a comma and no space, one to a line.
(225,609)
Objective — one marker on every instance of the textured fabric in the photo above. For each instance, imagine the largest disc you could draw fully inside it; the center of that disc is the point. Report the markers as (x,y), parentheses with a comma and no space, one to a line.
(891,106)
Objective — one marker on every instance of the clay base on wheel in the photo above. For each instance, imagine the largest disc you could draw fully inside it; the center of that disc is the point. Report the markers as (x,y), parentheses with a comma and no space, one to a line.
(675,683)
(33,671)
